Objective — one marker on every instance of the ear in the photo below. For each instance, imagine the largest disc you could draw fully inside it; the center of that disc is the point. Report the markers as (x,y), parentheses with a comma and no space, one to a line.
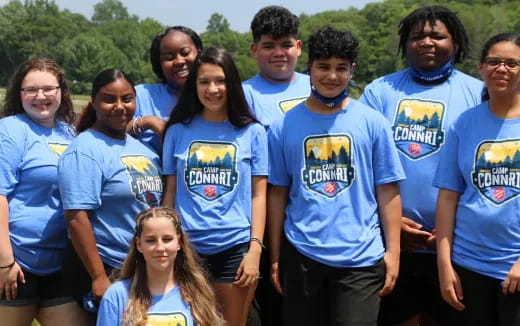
(480,69)
(253,47)
(138,245)
(354,65)
(299,45)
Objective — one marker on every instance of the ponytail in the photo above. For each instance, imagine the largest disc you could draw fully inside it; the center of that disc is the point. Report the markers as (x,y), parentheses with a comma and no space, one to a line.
(86,119)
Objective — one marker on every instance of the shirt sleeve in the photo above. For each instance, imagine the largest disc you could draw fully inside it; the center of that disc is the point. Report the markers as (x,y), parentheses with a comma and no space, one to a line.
(278,175)
(11,154)
(371,98)
(109,314)
(448,174)
(259,151)
(169,161)
(80,180)
(385,159)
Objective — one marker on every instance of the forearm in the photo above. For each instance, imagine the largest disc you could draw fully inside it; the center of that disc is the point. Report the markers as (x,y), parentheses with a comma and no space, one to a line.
(170,191)
(390,212)
(6,251)
(276,204)
(84,242)
(258,210)
(446,209)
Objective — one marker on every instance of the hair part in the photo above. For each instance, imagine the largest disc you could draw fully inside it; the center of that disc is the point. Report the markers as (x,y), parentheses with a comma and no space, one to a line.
(12,103)
(329,42)
(189,105)
(88,117)
(275,21)
(420,16)
(155,49)
(189,276)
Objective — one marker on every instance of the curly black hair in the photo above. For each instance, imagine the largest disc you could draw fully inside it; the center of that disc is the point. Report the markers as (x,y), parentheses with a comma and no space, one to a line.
(430,14)
(328,42)
(276,21)
(155,49)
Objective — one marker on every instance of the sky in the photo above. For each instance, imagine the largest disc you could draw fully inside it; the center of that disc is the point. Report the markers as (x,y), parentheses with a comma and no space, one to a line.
(196,13)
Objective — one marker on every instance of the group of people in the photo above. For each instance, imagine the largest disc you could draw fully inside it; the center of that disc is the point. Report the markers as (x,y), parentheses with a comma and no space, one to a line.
(152,207)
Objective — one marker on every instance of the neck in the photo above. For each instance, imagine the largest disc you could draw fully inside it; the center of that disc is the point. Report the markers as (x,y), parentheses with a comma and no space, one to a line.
(317,106)
(214,116)
(281,81)
(112,133)
(160,282)
(505,107)
(434,77)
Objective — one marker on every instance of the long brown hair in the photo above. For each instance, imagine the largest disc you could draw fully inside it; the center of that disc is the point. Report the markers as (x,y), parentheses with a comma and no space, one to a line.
(12,103)
(189,276)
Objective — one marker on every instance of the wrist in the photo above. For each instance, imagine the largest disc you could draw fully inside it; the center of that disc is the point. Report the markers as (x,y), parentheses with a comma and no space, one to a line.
(7,266)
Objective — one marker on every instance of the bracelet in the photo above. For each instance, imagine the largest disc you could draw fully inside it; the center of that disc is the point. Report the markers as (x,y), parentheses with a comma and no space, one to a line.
(8,266)
(139,125)
(253,239)
(134,129)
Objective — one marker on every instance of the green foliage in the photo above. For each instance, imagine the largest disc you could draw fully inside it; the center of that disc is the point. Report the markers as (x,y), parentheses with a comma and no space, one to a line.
(115,38)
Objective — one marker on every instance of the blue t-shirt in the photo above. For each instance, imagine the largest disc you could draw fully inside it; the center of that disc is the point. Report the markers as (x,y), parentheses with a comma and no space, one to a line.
(29,155)
(331,164)
(156,100)
(166,309)
(115,179)
(214,163)
(420,116)
(481,161)
(269,101)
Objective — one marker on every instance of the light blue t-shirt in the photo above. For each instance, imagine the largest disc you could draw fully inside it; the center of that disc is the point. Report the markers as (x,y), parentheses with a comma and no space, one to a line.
(156,100)
(29,155)
(331,164)
(420,116)
(269,101)
(115,179)
(481,161)
(167,309)
(214,163)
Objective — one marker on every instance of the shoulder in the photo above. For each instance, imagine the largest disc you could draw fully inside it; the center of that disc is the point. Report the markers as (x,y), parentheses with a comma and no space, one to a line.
(460,77)
(388,80)
(15,125)
(252,81)
(143,89)
(118,289)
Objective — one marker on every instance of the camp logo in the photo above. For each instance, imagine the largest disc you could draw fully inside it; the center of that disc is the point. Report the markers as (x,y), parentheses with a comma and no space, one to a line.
(145,179)
(417,128)
(211,169)
(496,172)
(328,168)
(167,319)
(286,105)
(58,148)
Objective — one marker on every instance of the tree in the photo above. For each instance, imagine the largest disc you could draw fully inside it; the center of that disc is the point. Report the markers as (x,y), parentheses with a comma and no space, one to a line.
(217,24)
(109,10)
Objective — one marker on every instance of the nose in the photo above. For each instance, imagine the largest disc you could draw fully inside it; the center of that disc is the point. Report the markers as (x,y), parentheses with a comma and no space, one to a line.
(40,94)
(279,51)
(212,87)
(426,41)
(180,60)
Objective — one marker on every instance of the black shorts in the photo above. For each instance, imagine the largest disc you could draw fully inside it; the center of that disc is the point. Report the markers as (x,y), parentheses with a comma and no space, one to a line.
(41,290)
(317,294)
(222,266)
(416,291)
(484,301)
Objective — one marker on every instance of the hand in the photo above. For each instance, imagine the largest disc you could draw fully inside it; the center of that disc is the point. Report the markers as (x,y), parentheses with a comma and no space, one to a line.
(431,242)
(412,238)
(512,281)
(9,278)
(392,270)
(451,287)
(99,286)
(275,278)
(155,123)
(248,271)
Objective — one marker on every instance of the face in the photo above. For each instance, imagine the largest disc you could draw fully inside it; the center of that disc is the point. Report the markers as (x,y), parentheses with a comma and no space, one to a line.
(277,57)
(499,77)
(331,76)
(211,89)
(177,54)
(430,47)
(159,243)
(40,97)
(114,104)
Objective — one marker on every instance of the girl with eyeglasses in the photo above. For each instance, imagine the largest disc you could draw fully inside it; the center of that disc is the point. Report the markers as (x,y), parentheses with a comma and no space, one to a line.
(34,131)
(478,207)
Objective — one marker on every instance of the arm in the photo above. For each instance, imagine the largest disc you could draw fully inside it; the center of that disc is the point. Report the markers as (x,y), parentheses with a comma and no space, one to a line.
(450,285)
(145,123)
(277,202)
(413,238)
(10,275)
(170,191)
(389,203)
(248,270)
(84,243)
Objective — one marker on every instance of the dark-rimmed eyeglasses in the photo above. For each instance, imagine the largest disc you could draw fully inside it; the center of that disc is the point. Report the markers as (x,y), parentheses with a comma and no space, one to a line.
(47,90)
(509,63)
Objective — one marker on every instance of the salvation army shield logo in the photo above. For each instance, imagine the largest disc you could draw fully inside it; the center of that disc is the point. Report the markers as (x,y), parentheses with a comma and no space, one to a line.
(496,173)
(286,105)
(211,169)
(417,128)
(167,319)
(328,168)
(57,148)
